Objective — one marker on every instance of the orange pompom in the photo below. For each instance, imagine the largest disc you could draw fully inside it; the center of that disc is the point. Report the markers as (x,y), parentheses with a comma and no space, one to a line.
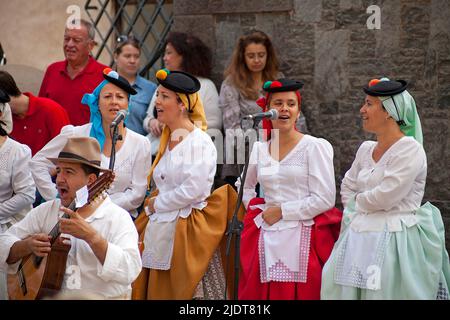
(162,74)
(373,82)
(107,70)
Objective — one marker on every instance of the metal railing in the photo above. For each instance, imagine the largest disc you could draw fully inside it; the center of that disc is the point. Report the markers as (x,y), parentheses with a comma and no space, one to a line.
(149,21)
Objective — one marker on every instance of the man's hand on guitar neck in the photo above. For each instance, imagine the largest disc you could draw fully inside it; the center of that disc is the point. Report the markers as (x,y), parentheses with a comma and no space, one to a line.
(39,244)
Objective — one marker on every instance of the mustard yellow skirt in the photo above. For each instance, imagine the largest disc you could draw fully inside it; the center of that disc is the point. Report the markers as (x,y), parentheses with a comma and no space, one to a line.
(197,237)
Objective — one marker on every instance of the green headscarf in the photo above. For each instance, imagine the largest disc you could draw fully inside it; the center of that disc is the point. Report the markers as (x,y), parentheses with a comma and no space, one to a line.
(402,108)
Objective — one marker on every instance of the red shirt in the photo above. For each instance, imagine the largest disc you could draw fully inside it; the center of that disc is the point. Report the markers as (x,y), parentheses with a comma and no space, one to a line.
(58,86)
(43,122)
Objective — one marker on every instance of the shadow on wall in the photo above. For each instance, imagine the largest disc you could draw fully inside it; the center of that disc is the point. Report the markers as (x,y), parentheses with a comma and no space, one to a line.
(28,78)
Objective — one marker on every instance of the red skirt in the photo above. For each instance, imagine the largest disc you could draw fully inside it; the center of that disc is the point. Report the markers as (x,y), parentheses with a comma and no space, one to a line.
(324,234)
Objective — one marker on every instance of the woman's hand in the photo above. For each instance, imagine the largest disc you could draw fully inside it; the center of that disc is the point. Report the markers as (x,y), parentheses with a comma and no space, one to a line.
(155,127)
(151,205)
(272,215)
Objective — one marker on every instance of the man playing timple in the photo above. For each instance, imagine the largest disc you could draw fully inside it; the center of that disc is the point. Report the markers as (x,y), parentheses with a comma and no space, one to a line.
(104,255)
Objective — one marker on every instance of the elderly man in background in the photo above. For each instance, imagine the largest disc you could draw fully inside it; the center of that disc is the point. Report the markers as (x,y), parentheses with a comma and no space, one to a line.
(67,81)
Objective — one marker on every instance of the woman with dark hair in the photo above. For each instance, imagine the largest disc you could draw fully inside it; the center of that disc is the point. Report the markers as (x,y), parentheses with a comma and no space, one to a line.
(390,246)
(185,52)
(253,62)
(132,157)
(127,58)
(17,189)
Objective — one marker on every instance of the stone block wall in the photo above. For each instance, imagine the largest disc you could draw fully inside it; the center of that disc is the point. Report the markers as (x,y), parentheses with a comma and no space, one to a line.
(327,45)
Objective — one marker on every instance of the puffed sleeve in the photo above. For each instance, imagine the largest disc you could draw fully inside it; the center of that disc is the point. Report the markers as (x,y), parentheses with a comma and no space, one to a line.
(132,197)
(349,187)
(22,184)
(210,99)
(399,176)
(200,178)
(321,184)
(41,166)
(229,103)
(252,176)
(122,262)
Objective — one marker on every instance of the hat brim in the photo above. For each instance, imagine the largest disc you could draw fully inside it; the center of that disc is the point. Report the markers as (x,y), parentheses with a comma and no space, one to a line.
(121,84)
(386,88)
(72,160)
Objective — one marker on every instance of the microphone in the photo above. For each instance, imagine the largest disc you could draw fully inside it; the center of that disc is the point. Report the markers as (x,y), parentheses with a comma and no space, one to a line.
(119,117)
(272,114)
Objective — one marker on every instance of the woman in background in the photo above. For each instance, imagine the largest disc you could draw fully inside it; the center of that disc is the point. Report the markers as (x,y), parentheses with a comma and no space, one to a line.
(184,52)
(127,57)
(253,62)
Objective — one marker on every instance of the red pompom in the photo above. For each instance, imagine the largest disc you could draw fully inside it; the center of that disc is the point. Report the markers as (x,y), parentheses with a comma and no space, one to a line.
(373,82)
(107,70)
(276,84)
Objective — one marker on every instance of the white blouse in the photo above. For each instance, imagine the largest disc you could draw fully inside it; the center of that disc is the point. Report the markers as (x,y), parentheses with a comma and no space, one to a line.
(388,191)
(184,177)
(17,188)
(302,183)
(132,165)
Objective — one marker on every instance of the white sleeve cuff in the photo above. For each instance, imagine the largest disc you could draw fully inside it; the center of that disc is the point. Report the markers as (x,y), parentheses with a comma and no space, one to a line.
(290,211)
(108,270)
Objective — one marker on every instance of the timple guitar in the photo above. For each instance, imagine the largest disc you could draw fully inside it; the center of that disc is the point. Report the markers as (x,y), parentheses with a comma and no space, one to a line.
(38,277)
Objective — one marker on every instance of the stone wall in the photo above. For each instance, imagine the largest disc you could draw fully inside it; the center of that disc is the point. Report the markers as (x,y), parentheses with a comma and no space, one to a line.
(327,45)
(33,34)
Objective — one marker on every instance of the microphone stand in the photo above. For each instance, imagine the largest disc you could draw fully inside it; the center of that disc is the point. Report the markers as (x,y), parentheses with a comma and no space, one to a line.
(235,226)
(114,137)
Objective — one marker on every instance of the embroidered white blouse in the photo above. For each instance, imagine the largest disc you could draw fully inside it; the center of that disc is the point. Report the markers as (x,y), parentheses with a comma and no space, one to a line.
(83,270)
(184,177)
(17,188)
(132,164)
(386,192)
(302,183)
